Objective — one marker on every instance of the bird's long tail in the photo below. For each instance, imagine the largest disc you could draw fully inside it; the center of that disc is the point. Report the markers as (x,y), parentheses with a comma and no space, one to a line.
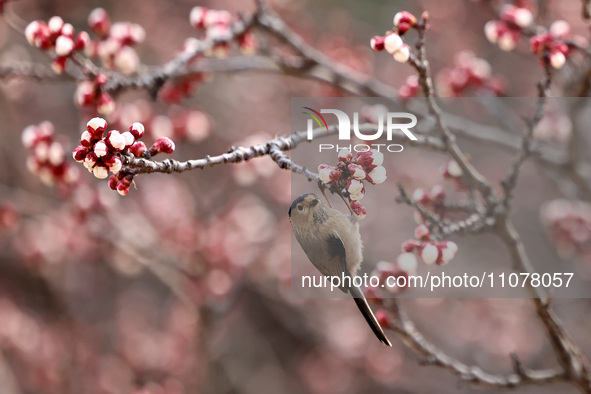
(363,306)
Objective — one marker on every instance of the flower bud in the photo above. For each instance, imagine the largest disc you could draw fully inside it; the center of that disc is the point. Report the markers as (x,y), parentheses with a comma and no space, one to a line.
(86,138)
(127,60)
(403,54)
(124,184)
(248,44)
(79,153)
(393,43)
(355,188)
(359,209)
(377,175)
(138,149)
(420,196)
(37,34)
(55,25)
(137,129)
(58,65)
(114,163)
(55,154)
(85,94)
(99,22)
(64,46)
(115,140)
(90,160)
(537,43)
(105,104)
(100,148)
(82,41)
(377,43)
(356,171)
(100,172)
(491,31)
(328,174)
(129,139)
(213,18)
(508,40)
(422,232)
(404,17)
(448,251)
(197,17)
(345,155)
(557,59)
(114,180)
(429,253)
(437,193)
(67,30)
(162,144)
(96,126)
(560,29)
(29,136)
(410,245)
(407,262)
(453,169)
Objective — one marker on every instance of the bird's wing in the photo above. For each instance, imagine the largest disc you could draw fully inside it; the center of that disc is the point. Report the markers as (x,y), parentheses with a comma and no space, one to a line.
(337,251)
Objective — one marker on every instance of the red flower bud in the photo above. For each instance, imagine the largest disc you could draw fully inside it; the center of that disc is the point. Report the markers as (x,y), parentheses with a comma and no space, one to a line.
(138,149)
(124,184)
(377,43)
(99,22)
(410,245)
(162,144)
(79,153)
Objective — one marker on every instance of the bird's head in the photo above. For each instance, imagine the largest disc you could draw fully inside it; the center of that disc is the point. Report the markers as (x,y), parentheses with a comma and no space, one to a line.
(303,207)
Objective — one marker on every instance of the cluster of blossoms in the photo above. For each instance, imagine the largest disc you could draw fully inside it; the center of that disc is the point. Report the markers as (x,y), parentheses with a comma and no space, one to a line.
(57,36)
(89,93)
(217,25)
(431,252)
(569,226)
(101,153)
(507,31)
(115,42)
(469,73)
(392,41)
(350,173)
(47,158)
(551,47)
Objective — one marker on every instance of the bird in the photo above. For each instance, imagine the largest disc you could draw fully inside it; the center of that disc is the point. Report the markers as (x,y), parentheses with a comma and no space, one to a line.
(332,242)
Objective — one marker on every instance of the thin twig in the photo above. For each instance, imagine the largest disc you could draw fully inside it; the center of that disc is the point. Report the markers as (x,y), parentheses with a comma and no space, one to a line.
(431,355)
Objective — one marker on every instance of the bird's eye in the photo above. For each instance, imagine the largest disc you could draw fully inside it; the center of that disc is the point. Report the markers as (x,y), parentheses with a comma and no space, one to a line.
(300,207)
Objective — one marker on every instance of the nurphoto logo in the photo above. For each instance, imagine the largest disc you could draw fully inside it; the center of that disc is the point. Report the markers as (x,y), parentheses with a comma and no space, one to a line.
(392,124)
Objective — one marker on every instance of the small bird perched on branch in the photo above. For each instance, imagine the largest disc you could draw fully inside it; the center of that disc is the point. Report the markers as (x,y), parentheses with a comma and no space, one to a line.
(332,242)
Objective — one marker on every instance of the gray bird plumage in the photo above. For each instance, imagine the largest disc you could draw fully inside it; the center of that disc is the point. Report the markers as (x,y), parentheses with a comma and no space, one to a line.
(332,242)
